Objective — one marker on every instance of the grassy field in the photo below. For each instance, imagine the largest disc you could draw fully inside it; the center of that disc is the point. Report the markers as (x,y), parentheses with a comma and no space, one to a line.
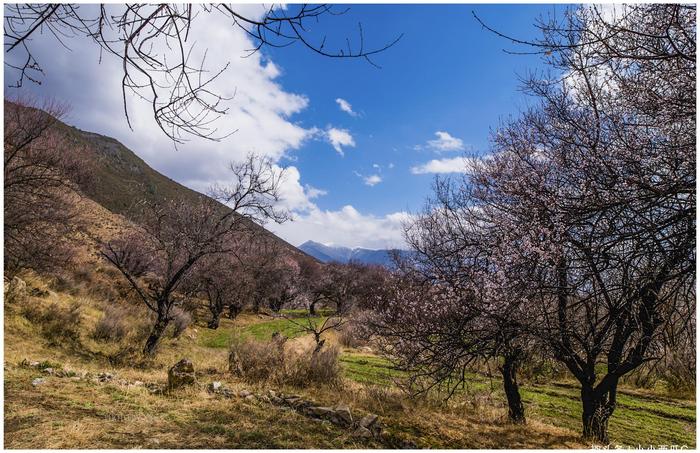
(72,413)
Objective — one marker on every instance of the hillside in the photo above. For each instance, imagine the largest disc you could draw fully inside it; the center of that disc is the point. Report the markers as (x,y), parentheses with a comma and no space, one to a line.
(120,178)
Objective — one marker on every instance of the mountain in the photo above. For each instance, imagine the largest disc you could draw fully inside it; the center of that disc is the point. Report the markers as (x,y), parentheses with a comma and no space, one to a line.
(120,178)
(327,254)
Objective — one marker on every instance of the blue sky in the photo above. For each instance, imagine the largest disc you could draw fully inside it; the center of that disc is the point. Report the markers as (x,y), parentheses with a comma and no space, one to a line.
(445,74)
(440,91)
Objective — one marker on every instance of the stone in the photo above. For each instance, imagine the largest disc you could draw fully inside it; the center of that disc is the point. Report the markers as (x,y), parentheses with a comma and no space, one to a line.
(215,387)
(276,400)
(344,414)
(181,374)
(250,397)
(368,421)
(48,371)
(320,411)
(271,393)
(105,377)
(38,381)
(138,383)
(244,393)
(291,400)
(362,432)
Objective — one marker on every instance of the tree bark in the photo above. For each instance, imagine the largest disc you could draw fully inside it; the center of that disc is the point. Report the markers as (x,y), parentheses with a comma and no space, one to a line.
(214,321)
(598,405)
(516,410)
(157,332)
(233,311)
(312,308)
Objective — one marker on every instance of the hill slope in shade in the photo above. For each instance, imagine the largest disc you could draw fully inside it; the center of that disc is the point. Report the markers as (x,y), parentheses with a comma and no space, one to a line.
(120,178)
(326,254)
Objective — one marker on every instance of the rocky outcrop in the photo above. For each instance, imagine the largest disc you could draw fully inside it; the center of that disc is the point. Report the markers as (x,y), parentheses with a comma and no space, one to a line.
(181,375)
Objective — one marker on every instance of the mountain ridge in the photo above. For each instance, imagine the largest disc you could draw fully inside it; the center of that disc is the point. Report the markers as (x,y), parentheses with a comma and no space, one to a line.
(341,254)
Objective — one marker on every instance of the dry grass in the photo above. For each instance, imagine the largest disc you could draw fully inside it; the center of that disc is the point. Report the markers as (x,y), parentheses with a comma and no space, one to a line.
(81,414)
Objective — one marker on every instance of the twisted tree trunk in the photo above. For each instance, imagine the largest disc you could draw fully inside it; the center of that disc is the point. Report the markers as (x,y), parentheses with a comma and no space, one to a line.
(509,369)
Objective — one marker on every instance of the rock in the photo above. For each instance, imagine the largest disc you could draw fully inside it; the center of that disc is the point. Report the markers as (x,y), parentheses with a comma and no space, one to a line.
(138,383)
(344,414)
(244,393)
(75,378)
(291,400)
(250,397)
(16,290)
(271,393)
(34,364)
(181,374)
(362,432)
(38,381)
(319,411)
(368,421)
(105,377)
(48,371)
(214,387)
(276,400)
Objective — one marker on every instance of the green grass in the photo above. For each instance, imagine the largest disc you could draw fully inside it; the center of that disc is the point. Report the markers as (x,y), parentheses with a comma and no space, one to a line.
(368,369)
(223,336)
(264,330)
(637,420)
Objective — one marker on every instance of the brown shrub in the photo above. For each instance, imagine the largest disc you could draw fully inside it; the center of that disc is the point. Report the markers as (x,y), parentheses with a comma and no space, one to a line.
(61,323)
(267,361)
(112,326)
(306,368)
(181,319)
(255,361)
(351,336)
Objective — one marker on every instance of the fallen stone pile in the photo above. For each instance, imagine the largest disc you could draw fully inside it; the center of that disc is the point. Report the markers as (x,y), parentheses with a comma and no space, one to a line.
(182,374)
(340,415)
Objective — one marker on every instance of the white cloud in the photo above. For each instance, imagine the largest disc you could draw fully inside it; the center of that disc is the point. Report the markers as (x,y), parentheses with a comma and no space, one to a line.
(372,180)
(376,166)
(391,165)
(347,227)
(314,192)
(339,138)
(446,142)
(345,106)
(454,165)
(260,109)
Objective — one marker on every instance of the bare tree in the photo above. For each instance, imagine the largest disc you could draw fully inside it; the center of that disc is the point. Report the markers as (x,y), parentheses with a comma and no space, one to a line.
(41,169)
(154,45)
(159,258)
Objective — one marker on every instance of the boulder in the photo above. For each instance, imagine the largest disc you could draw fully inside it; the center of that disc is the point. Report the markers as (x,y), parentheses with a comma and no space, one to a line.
(344,414)
(368,421)
(181,374)
(362,432)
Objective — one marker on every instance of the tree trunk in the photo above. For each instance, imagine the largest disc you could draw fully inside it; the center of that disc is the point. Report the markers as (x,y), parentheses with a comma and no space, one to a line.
(516,410)
(214,321)
(312,308)
(234,310)
(152,343)
(598,406)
